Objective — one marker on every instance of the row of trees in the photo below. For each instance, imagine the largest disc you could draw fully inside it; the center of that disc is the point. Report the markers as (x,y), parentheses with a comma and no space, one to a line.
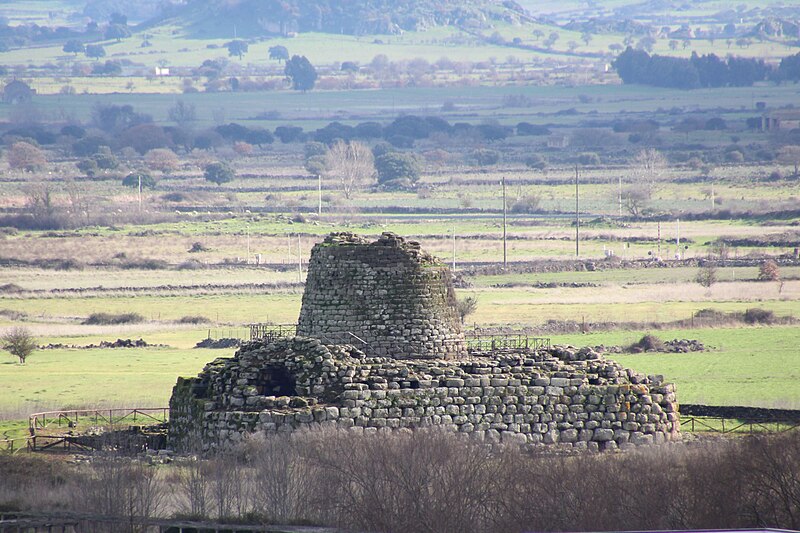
(637,66)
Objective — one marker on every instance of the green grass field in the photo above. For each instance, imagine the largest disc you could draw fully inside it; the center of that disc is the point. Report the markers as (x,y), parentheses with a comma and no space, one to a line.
(746,366)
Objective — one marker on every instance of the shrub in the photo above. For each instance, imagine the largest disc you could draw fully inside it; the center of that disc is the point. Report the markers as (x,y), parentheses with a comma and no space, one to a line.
(132,180)
(219,172)
(190,265)
(107,319)
(536,162)
(755,315)
(648,343)
(706,276)
(769,271)
(144,264)
(466,307)
(483,157)
(193,319)
(527,204)
(589,159)
(10,288)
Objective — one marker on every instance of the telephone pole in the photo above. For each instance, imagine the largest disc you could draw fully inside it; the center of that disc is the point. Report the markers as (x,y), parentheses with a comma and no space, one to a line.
(319,194)
(505,224)
(577,219)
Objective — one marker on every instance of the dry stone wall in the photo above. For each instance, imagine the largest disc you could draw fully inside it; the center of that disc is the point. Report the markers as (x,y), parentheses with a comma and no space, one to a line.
(568,397)
(389,294)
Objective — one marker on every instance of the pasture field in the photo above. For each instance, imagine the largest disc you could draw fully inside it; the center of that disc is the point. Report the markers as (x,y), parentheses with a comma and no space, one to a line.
(756,366)
(316,108)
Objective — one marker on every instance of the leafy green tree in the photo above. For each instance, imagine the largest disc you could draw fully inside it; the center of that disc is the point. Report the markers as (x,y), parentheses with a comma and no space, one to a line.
(301,73)
(19,342)
(88,166)
(132,180)
(397,170)
(95,51)
(74,46)
(589,158)
(536,162)
(278,53)
(219,172)
(117,31)
(237,48)
(484,157)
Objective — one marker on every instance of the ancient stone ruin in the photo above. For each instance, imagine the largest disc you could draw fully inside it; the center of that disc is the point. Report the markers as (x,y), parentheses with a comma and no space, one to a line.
(379,348)
(388,297)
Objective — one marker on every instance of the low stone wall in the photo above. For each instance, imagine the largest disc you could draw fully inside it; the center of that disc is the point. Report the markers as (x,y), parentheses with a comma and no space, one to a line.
(564,396)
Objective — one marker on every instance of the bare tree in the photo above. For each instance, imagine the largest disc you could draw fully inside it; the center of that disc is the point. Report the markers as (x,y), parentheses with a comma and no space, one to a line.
(193,489)
(648,167)
(791,156)
(351,164)
(706,275)
(182,113)
(284,480)
(19,342)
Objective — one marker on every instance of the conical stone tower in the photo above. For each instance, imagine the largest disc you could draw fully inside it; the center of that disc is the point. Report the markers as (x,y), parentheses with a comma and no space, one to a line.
(387,297)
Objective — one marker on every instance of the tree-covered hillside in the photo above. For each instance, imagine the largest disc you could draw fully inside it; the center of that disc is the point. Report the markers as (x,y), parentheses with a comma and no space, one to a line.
(356,17)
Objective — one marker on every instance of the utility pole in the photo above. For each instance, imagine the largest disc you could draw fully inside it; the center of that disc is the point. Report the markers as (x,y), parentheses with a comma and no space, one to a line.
(659,239)
(140,192)
(248,244)
(505,224)
(319,195)
(678,238)
(299,261)
(712,196)
(454,248)
(577,219)
(619,193)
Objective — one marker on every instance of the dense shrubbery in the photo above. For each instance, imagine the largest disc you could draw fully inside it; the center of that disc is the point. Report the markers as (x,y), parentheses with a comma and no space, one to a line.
(433,481)
(105,319)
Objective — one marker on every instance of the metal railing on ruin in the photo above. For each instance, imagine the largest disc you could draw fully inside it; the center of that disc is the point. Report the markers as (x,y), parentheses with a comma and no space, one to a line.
(479,342)
(270,332)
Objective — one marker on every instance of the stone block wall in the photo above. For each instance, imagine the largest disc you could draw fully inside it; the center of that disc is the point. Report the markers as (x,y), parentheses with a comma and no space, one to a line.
(563,396)
(389,294)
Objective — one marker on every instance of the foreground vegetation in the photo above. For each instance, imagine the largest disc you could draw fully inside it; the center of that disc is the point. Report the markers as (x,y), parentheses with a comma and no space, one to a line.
(433,481)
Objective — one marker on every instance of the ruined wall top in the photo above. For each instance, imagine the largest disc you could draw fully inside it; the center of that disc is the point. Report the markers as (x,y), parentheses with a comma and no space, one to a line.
(388,296)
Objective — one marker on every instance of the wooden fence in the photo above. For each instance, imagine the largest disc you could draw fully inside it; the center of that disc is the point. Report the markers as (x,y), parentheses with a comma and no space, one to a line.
(54,428)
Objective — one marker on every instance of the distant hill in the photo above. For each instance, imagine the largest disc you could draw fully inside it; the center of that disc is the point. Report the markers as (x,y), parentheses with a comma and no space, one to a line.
(208,18)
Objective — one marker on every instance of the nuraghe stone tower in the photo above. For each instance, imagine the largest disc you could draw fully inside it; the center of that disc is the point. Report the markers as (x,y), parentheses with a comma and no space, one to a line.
(408,367)
(388,297)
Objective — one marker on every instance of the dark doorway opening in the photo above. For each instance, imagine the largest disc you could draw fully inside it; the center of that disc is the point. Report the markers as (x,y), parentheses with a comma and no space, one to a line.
(276,381)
